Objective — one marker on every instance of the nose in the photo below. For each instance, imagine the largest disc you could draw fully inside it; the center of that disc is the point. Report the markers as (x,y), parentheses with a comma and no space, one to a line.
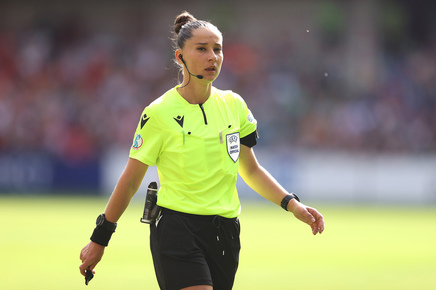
(212,56)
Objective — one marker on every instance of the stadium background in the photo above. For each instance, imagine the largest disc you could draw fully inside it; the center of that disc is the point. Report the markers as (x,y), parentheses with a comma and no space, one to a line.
(345,96)
(344,91)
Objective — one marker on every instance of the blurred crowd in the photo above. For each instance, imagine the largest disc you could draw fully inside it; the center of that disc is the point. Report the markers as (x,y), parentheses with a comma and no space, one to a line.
(75,93)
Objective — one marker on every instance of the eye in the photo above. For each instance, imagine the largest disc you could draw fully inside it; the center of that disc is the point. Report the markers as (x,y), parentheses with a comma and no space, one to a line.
(201,49)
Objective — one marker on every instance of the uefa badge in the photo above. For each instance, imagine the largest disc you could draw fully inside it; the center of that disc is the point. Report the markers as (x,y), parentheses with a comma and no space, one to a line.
(233,146)
(137,142)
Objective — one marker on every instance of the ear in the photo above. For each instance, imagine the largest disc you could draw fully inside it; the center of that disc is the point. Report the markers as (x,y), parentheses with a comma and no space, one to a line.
(178,55)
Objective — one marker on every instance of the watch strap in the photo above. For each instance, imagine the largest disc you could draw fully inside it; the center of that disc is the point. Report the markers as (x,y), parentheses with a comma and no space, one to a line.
(287,199)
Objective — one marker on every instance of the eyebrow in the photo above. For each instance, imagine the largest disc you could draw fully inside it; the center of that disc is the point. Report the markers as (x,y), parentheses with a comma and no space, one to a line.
(205,43)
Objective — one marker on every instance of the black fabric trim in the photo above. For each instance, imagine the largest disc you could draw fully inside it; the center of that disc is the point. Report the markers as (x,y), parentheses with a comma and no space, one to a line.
(250,140)
(204,113)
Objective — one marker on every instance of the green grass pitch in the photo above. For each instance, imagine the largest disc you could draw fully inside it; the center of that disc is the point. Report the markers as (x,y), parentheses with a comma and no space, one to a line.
(363,247)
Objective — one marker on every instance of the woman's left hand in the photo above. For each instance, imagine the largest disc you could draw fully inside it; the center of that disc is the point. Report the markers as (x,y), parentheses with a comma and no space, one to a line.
(307,215)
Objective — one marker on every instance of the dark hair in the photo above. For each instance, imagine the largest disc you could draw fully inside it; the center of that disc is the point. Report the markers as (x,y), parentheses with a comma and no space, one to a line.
(184,25)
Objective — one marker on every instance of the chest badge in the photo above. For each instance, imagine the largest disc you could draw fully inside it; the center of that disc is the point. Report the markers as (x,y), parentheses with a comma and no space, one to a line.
(233,146)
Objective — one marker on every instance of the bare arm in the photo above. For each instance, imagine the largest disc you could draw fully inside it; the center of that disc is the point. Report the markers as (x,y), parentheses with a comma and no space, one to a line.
(127,186)
(261,181)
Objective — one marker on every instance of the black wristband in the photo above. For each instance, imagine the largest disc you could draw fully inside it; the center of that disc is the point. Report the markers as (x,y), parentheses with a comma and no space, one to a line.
(287,199)
(101,235)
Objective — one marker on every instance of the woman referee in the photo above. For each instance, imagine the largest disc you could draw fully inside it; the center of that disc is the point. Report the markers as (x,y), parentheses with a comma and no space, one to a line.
(200,138)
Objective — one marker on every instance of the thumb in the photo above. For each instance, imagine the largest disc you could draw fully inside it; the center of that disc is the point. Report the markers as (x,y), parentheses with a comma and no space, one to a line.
(83,267)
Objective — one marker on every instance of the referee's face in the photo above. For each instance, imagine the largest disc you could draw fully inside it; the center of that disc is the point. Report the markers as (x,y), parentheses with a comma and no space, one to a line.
(203,53)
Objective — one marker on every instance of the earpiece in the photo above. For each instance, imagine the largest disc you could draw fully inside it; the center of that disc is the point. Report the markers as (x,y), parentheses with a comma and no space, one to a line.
(197,76)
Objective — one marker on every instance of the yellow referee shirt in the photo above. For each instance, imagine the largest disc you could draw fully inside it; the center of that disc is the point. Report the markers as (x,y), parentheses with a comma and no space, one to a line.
(195,148)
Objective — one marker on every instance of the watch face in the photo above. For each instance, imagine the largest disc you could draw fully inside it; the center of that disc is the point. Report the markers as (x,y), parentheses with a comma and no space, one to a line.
(100,220)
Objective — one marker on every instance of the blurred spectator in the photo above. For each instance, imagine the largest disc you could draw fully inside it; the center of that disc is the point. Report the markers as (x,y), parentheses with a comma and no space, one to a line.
(74,93)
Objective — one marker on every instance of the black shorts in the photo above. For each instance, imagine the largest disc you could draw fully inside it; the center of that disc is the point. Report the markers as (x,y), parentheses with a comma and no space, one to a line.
(190,250)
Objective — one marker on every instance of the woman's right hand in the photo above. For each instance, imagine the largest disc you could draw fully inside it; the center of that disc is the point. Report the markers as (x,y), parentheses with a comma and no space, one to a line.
(90,255)
(127,185)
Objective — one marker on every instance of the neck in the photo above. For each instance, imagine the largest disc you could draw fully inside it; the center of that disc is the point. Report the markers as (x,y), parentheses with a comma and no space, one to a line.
(195,94)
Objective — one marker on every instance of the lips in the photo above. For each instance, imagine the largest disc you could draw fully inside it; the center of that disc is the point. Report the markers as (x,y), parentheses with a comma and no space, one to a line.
(211,69)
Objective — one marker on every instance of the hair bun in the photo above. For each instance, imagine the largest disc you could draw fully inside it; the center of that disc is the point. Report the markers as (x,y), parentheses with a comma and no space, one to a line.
(182,19)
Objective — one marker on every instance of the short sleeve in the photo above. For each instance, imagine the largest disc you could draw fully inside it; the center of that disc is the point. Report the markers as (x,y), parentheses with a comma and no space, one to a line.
(148,140)
(248,126)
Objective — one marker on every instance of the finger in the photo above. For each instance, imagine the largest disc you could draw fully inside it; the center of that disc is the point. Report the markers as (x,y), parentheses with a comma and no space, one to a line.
(321,224)
(83,253)
(83,268)
(315,213)
(314,227)
(307,217)
(319,219)
(314,220)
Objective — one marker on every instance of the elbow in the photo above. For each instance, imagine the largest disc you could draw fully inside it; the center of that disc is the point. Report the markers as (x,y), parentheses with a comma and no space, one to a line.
(249,172)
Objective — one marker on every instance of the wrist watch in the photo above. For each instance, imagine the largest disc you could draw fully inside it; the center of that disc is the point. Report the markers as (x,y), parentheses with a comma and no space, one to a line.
(287,199)
(104,223)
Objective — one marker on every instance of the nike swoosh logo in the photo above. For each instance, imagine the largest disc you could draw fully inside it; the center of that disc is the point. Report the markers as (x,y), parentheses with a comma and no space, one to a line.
(144,120)
(179,120)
